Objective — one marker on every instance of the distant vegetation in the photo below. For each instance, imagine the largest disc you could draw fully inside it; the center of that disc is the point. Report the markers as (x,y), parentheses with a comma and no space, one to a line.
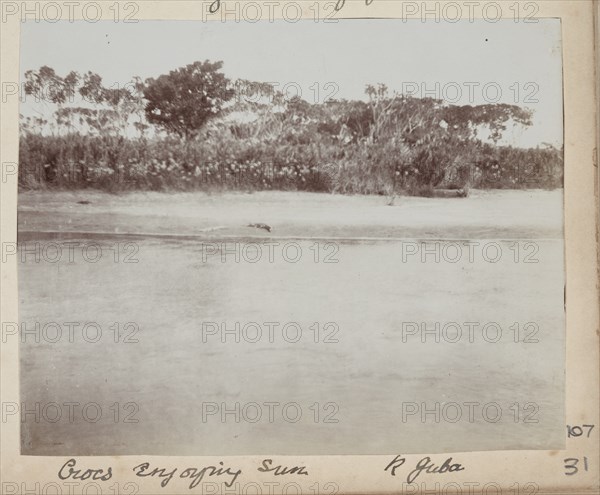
(195,129)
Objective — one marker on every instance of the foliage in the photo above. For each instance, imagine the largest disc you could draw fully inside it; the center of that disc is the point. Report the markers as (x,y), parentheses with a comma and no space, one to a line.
(182,101)
(388,145)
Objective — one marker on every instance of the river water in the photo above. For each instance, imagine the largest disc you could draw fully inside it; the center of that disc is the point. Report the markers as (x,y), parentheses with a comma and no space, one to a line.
(236,346)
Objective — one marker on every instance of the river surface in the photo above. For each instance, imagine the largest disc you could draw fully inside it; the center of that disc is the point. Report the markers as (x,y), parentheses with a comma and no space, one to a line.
(289,346)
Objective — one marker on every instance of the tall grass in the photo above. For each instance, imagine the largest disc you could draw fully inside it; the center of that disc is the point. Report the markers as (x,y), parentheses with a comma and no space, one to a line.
(111,163)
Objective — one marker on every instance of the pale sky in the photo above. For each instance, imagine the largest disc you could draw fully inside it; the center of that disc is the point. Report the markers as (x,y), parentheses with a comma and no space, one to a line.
(523,61)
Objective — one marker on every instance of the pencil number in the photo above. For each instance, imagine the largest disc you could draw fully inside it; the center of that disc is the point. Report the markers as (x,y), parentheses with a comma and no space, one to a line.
(572,465)
(577,431)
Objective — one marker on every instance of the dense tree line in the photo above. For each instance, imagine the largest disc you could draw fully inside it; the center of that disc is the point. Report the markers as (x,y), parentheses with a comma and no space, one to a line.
(182,130)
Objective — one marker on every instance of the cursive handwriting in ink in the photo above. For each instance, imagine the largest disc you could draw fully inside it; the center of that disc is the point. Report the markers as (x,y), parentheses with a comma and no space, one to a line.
(425,465)
(196,474)
(339,5)
(67,472)
(395,464)
(143,470)
(215,6)
(281,470)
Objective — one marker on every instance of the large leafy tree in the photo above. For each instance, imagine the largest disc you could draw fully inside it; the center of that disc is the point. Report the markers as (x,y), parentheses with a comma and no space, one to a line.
(432,140)
(182,101)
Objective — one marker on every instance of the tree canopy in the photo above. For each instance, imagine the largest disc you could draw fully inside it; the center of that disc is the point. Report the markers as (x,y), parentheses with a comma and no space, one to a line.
(182,101)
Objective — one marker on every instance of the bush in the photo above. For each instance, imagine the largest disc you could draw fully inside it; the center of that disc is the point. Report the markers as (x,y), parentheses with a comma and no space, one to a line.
(228,163)
(335,148)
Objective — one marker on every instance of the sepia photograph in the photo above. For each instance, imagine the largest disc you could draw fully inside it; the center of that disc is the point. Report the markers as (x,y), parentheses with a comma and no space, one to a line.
(291,238)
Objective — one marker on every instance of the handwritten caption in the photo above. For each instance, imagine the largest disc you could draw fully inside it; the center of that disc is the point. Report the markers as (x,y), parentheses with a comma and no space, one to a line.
(228,474)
